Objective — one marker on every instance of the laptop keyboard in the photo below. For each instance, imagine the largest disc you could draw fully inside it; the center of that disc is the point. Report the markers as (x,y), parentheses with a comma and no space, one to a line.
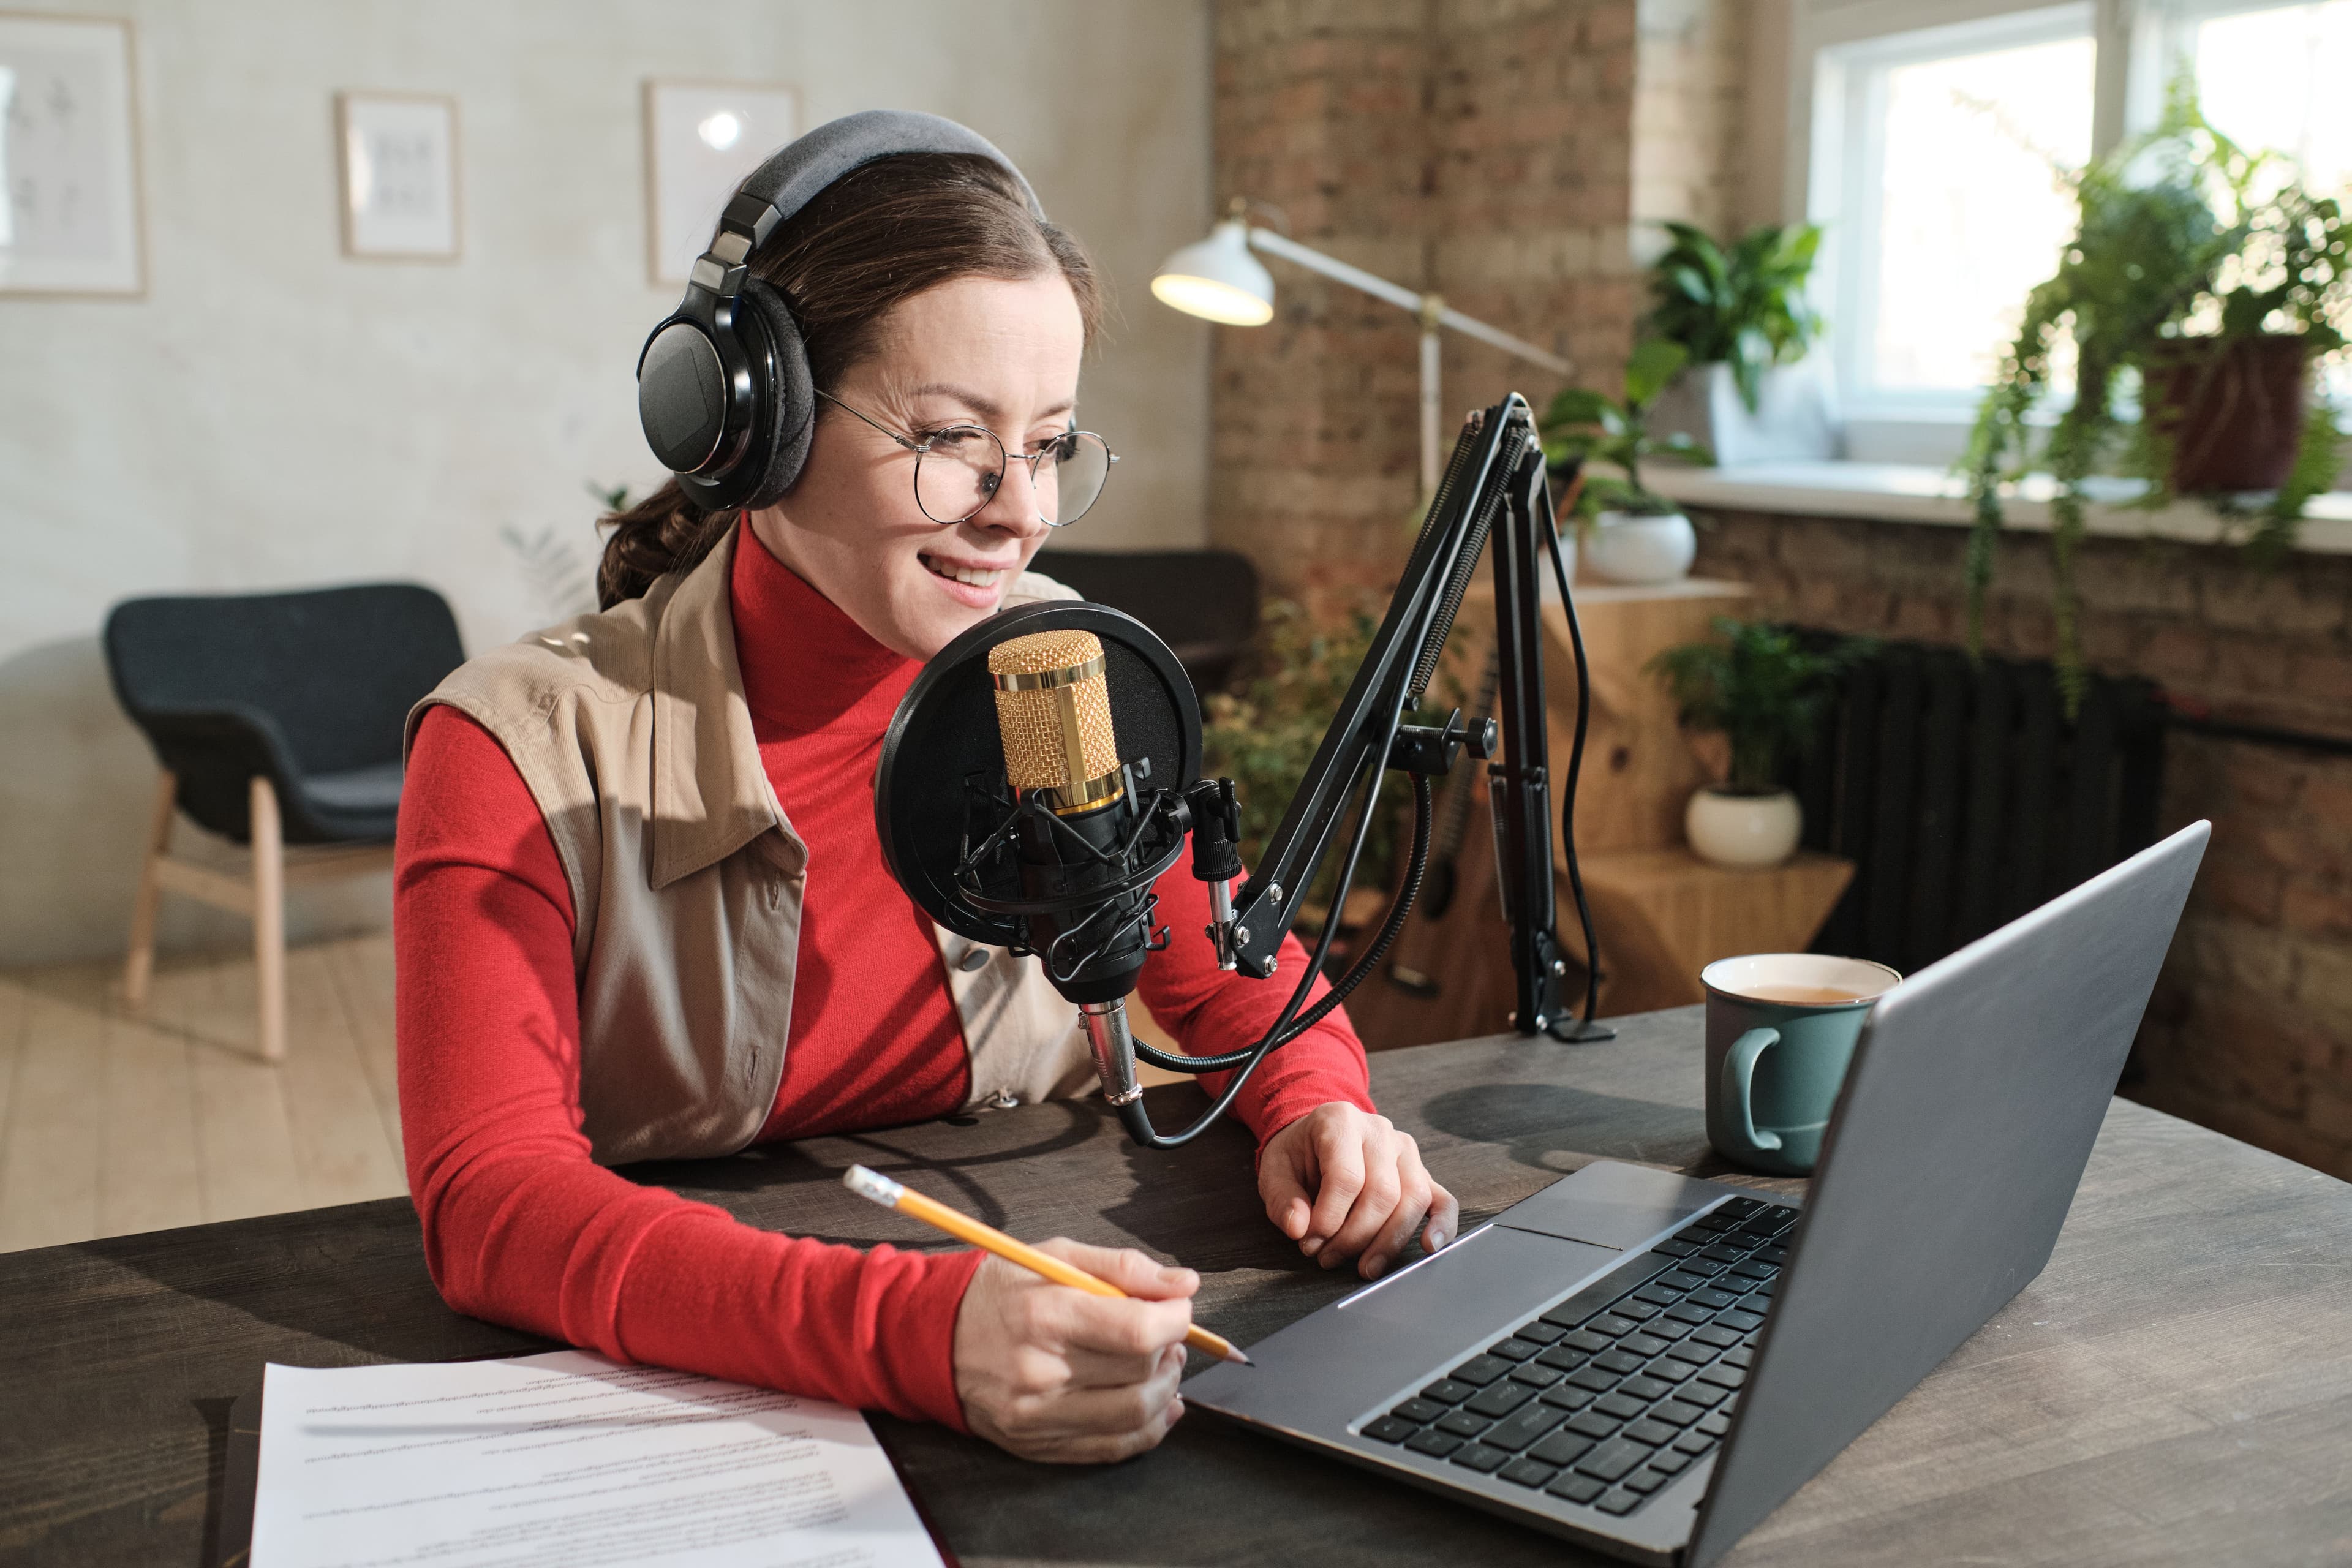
(1607,1397)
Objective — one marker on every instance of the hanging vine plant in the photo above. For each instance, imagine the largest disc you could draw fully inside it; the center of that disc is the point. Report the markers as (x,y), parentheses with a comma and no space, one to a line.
(2201,285)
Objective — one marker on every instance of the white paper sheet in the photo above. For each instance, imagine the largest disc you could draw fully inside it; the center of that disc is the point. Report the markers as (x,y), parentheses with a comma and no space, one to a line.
(566,1461)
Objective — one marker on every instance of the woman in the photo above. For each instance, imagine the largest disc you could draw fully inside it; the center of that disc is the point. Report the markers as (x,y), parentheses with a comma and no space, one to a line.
(641,909)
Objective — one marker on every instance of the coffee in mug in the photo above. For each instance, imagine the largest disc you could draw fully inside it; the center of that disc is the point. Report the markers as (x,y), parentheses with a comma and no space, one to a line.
(1781,1030)
(1806,995)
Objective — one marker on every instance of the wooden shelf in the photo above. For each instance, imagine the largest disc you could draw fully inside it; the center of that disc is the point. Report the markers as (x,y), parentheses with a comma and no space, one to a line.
(1663,915)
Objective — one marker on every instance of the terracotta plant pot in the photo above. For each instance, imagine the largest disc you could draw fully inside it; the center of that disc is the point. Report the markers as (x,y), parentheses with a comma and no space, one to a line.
(2232,409)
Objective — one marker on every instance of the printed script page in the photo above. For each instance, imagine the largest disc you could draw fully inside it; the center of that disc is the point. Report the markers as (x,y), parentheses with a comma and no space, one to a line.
(567,1460)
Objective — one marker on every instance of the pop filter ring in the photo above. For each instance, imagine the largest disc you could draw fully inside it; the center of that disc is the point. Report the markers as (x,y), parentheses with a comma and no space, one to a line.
(945,731)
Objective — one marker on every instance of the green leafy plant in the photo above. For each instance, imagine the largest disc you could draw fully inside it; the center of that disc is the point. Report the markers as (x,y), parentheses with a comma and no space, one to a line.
(1263,734)
(1760,688)
(1743,305)
(2183,239)
(1584,427)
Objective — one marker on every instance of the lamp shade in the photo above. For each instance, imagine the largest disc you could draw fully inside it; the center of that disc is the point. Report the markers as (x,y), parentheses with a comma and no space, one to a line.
(1218,279)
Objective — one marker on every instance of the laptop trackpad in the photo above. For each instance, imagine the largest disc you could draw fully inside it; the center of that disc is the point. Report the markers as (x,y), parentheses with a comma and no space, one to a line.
(1613,1204)
(1487,1281)
(1326,1368)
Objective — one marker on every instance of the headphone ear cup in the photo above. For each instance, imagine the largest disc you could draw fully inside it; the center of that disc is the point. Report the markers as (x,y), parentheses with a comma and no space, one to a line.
(779,445)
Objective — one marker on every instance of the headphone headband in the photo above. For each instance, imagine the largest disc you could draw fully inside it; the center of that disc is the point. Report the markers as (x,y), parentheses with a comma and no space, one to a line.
(795,173)
(723,387)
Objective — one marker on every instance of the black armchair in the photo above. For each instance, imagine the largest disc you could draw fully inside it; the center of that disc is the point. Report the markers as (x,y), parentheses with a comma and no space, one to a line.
(277,721)
(1204,604)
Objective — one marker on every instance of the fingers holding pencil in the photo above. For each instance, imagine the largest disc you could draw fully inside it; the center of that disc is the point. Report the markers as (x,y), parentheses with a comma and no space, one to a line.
(1101,1271)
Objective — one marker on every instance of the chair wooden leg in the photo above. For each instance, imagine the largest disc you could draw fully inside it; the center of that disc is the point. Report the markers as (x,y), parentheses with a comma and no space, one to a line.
(268,918)
(139,967)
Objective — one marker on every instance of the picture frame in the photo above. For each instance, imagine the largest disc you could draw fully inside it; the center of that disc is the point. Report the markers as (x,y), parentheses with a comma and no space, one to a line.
(701,139)
(397,181)
(70,198)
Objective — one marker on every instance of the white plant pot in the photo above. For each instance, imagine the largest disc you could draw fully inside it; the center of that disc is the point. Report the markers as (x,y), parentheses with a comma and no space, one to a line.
(1743,829)
(1796,413)
(1625,547)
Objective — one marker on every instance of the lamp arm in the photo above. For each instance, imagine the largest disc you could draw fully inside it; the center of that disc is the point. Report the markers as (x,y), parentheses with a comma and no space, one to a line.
(1502,340)
(1332,267)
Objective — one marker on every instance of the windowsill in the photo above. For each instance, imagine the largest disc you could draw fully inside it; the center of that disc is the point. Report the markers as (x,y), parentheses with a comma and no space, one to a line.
(1906,492)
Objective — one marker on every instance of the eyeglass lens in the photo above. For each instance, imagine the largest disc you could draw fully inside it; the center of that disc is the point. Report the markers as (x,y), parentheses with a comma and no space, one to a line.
(961,469)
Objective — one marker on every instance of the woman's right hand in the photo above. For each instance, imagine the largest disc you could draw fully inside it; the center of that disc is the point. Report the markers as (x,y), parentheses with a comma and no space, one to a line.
(1049,1372)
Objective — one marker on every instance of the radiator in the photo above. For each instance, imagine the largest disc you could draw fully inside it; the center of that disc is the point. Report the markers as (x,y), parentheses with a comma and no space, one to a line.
(1965,798)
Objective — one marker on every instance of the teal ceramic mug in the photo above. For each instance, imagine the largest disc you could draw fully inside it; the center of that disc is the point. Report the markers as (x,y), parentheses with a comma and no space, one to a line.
(1780,1029)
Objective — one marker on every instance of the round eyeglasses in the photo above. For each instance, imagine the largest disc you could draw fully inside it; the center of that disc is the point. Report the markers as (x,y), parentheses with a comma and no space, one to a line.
(959,469)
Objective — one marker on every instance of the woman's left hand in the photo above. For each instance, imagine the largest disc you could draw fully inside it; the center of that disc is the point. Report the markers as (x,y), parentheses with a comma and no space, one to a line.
(1343,1183)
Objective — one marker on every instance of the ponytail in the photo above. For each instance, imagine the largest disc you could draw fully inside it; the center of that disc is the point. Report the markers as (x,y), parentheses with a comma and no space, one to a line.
(662,534)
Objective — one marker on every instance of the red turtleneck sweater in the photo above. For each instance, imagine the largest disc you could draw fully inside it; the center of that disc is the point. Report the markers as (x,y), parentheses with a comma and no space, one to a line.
(521,1224)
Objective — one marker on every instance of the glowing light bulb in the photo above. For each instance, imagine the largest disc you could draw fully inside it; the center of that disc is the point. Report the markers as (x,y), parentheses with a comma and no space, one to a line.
(721,130)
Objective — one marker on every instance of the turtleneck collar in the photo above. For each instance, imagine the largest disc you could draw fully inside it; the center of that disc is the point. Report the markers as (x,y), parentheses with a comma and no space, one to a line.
(806,665)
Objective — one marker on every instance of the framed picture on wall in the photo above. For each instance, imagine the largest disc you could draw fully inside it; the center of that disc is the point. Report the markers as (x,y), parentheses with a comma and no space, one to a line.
(398,156)
(701,139)
(68,157)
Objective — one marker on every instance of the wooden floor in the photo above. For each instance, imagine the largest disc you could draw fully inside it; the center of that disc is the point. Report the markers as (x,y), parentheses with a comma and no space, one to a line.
(110,1125)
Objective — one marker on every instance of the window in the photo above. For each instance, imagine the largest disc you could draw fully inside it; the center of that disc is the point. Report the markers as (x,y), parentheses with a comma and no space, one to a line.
(1939,175)
(2270,76)
(1936,157)
(2266,77)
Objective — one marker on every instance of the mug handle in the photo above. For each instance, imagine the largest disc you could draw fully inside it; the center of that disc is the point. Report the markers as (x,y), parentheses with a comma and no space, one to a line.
(1739,1072)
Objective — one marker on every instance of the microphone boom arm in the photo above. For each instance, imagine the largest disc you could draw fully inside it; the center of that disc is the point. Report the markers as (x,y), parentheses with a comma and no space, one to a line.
(1497,476)
(1495,483)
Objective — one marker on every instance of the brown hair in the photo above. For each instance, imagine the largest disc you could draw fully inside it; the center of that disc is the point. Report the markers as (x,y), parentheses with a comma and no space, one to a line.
(882,233)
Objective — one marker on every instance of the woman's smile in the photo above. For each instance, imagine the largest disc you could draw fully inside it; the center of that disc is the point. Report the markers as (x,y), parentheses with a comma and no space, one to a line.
(969,584)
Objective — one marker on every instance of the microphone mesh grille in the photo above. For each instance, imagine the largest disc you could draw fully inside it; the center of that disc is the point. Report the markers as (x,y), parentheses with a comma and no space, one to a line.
(1055,737)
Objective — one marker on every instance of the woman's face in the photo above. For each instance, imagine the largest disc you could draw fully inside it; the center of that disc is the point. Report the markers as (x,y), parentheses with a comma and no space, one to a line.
(975,350)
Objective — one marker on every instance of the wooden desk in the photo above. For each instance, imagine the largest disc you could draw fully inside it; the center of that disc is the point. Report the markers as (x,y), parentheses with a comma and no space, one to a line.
(2175,1388)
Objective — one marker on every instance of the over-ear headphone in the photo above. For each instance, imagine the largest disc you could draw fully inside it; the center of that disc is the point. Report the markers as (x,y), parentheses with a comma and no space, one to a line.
(723,388)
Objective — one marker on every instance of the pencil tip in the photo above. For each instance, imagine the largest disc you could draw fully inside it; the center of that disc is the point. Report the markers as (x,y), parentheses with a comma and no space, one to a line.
(1243,1360)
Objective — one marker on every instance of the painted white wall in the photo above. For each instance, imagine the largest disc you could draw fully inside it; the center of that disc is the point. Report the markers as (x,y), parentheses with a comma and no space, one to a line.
(272,415)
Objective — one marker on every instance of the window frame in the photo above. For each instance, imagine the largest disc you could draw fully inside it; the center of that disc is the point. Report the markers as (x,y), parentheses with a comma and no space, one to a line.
(1848,85)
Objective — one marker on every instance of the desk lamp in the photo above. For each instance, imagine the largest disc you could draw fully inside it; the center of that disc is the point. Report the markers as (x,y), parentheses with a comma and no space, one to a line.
(1219,281)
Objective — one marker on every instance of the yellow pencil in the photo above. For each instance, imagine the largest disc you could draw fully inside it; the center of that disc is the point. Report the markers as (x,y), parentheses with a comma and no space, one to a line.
(890,1195)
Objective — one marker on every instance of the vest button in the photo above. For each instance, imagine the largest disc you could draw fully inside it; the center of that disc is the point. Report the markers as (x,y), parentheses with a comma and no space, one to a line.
(974,961)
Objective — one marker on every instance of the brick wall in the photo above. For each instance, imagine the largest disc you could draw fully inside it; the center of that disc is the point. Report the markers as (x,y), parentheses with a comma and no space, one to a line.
(1481,148)
(2251,1032)
(1690,80)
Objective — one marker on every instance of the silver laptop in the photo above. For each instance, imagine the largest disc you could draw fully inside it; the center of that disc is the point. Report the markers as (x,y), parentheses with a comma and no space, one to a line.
(1649,1364)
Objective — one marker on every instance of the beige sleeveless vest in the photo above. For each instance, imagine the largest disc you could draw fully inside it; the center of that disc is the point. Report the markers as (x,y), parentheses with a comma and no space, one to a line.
(631,731)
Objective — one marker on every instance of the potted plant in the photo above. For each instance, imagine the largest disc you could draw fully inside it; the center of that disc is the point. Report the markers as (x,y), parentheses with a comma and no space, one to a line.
(1765,694)
(1631,534)
(1264,731)
(2204,282)
(1740,310)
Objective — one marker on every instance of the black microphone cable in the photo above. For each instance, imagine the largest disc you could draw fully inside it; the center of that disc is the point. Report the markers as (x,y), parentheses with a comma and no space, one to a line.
(1575,768)
(1138,1120)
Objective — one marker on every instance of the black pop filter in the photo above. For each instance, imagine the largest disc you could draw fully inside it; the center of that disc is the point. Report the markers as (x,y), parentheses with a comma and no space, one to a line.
(943,758)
